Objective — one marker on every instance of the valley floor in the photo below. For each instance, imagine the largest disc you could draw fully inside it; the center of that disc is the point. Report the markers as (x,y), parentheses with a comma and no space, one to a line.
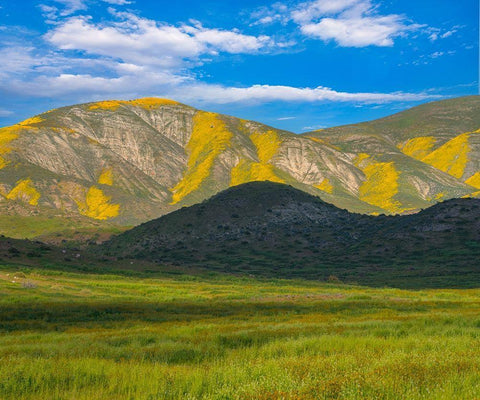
(66,335)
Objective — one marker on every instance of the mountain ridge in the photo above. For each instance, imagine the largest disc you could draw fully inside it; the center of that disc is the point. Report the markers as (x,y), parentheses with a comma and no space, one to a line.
(125,162)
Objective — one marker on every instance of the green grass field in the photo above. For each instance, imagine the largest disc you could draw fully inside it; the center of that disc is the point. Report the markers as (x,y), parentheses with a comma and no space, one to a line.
(65,335)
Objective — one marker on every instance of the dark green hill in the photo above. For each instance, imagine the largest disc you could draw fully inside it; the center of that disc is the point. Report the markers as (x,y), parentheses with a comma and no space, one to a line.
(270,229)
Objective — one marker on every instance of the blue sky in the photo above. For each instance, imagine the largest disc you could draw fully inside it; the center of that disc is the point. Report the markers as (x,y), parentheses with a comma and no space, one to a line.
(296,65)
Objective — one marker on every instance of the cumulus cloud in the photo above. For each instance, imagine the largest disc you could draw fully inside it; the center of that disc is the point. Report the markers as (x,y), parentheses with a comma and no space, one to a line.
(228,41)
(349,23)
(140,40)
(357,32)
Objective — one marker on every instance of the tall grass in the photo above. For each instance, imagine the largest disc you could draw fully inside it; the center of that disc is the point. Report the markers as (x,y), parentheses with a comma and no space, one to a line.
(86,336)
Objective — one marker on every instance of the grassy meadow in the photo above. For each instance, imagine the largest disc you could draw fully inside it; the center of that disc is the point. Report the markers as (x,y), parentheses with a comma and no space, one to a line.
(66,335)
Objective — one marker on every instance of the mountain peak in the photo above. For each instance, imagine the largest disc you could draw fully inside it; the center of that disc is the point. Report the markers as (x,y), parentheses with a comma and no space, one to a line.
(147,103)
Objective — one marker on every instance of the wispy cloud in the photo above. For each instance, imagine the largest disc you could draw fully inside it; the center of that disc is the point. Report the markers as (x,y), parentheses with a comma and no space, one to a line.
(435,34)
(267,93)
(164,84)
(313,128)
(5,113)
(65,8)
(277,12)
(118,2)
(71,6)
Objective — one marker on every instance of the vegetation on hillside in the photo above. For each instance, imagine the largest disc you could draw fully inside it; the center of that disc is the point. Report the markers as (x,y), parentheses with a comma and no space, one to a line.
(451,157)
(380,186)
(209,138)
(146,103)
(97,205)
(24,191)
(267,145)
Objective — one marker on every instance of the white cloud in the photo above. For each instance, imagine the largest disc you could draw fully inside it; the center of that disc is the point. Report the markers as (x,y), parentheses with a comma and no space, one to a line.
(139,40)
(277,12)
(435,33)
(137,81)
(438,54)
(313,128)
(350,23)
(53,14)
(71,6)
(229,41)
(448,33)
(426,59)
(87,86)
(267,93)
(357,32)
(16,60)
(309,11)
(50,13)
(147,43)
(5,113)
(25,62)
(118,2)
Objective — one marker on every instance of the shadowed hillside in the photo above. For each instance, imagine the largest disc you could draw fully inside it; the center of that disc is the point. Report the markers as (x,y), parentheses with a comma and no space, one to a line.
(270,229)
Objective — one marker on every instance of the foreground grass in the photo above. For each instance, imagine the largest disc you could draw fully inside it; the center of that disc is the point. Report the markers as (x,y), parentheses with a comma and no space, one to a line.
(85,336)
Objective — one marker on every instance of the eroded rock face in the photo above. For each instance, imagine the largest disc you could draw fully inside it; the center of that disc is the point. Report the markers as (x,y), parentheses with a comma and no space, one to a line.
(131,161)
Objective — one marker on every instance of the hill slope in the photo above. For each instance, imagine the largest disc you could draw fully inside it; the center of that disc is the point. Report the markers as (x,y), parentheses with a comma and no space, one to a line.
(443,134)
(127,162)
(275,230)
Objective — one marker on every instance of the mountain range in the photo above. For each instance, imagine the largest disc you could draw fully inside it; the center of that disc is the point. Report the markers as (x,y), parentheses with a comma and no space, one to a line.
(121,163)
